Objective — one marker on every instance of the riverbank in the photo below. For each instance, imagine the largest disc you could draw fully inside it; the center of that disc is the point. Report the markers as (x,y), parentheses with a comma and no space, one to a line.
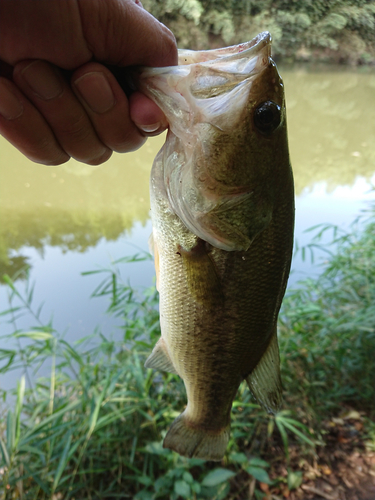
(93,428)
(342,31)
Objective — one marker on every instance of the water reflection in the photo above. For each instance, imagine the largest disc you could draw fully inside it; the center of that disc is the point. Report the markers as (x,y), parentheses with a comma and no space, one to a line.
(331,121)
(71,206)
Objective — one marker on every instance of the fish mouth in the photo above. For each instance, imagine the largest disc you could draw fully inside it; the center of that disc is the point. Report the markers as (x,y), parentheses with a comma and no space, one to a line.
(202,75)
(260,44)
(242,60)
(221,70)
(205,98)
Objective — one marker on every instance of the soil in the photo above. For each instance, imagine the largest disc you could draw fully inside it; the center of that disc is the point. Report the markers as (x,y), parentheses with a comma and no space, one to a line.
(344,469)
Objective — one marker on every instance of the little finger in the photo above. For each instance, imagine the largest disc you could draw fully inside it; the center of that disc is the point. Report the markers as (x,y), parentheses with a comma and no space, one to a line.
(24,127)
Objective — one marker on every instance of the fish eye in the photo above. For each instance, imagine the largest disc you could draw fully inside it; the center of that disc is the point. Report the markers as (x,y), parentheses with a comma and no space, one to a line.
(267,117)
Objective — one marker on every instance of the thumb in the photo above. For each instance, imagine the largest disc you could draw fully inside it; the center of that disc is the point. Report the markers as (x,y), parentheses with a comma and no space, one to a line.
(122,33)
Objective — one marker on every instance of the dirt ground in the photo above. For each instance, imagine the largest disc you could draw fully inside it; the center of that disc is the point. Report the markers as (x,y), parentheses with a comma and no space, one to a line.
(344,469)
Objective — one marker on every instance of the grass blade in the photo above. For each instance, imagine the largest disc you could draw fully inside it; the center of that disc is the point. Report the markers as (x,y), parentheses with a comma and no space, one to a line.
(62,463)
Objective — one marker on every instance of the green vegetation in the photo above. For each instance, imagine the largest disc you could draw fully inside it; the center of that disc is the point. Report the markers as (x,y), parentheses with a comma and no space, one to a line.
(338,30)
(327,327)
(93,428)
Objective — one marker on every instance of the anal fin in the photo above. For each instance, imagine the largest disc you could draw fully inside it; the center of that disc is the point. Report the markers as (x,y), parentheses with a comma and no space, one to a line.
(159,358)
(265,381)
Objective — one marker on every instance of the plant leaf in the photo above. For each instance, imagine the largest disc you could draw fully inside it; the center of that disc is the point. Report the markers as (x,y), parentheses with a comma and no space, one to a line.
(258,462)
(259,474)
(34,335)
(294,479)
(62,463)
(182,488)
(217,476)
(4,453)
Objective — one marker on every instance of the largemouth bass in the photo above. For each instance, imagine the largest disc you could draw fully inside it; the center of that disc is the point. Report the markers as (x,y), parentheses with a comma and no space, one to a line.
(222,206)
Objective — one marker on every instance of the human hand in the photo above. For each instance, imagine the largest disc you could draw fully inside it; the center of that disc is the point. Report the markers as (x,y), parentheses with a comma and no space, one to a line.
(50,117)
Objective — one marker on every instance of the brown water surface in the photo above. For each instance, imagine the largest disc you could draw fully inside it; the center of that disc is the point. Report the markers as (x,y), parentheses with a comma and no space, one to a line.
(68,219)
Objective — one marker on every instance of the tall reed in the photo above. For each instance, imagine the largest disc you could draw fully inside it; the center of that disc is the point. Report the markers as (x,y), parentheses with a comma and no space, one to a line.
(93,428)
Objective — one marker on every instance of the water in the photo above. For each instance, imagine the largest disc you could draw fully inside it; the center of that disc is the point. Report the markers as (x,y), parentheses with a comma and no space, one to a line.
(74,218)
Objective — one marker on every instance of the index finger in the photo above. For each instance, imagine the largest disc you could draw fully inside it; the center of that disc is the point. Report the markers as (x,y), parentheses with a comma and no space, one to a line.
(125,34)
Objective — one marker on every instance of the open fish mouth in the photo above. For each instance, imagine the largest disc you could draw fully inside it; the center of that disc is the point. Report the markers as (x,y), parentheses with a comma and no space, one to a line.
(260,46)
(204,99)
(226,67)
(202,75)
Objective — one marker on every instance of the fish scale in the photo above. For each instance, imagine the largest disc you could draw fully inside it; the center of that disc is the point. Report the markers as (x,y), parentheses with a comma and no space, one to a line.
(222,207)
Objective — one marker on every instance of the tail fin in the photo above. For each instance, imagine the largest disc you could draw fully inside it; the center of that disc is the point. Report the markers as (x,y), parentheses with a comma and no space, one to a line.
(190,441)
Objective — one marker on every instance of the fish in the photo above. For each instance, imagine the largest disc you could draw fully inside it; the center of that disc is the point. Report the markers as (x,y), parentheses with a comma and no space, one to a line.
(222,210)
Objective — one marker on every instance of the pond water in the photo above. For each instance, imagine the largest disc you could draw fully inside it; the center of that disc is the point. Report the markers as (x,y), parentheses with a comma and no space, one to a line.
(73,218)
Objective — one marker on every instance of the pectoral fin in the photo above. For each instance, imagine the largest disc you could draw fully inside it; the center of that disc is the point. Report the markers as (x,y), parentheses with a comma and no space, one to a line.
(264,381)
(159,358)
(202,277)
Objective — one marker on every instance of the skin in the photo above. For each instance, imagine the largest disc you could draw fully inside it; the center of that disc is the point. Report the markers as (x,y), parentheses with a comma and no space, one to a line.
(57,98)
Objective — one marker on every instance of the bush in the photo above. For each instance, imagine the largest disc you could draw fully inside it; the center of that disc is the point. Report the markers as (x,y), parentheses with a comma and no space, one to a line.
(327,328)
(93,428)
(329,30)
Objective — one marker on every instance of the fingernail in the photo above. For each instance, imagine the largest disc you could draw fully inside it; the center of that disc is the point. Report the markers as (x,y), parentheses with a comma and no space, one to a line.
(149,128)
(96,91)
(10,106)
(43,80)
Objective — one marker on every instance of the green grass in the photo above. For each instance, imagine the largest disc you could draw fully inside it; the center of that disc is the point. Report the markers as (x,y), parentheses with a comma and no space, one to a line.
(327,326)
(93,428)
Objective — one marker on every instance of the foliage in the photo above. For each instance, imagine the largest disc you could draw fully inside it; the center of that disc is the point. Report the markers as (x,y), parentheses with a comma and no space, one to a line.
(342,30)
(327,325)
(93,428)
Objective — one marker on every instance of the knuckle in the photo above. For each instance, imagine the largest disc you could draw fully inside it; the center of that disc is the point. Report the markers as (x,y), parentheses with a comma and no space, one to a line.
(81,141)
(63,158)
(76,127)
(126,142)
(47,152)
(49,158)
(100,159)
